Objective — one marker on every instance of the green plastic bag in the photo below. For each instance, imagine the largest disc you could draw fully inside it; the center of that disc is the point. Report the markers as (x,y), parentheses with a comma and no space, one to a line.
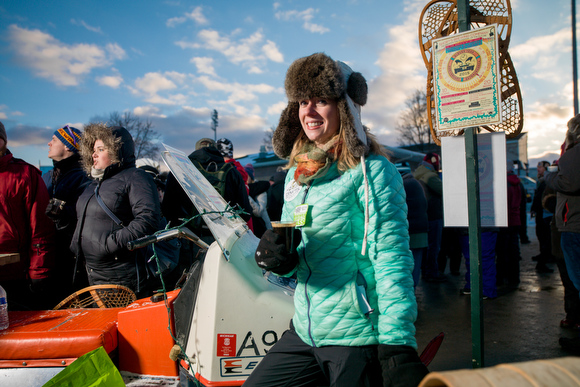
(92,369)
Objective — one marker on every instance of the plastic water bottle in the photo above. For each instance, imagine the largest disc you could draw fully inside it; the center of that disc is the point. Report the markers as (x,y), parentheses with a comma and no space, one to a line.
(3,309)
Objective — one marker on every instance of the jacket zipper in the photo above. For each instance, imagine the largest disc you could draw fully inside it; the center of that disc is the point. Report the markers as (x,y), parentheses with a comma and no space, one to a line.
(307,279)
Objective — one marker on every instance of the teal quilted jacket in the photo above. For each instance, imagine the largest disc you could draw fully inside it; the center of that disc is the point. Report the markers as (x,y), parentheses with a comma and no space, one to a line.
(327,310)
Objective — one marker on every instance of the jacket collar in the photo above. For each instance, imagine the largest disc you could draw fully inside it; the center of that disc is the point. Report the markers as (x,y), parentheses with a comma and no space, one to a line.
(6,159)
(69,163)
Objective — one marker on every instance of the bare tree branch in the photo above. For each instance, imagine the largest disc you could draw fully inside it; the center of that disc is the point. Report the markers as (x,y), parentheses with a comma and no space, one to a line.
(267,140)
(413,126)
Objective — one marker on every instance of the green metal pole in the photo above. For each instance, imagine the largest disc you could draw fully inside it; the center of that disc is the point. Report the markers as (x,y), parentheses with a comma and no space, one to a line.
(472,170)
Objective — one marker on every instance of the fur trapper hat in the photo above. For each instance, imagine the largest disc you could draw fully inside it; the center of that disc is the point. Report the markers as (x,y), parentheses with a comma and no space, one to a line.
(320,76)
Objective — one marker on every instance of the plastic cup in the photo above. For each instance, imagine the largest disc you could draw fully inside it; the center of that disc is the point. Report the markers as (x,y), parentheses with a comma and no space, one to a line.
(285,230)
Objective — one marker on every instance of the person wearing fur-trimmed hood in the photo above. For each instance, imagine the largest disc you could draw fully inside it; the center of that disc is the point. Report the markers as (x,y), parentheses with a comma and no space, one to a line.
(129,194)
(355,306)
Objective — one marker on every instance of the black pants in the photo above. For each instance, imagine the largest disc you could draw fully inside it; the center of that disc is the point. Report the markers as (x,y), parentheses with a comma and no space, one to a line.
(292,363)
(544,234)
(507,250)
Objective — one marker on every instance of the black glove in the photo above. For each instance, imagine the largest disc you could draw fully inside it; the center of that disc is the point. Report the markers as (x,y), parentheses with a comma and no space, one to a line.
(272,254)
(401,366)
(54,209)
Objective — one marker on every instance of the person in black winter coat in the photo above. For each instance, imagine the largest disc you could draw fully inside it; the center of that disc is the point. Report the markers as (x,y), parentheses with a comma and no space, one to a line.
(65,182)
(108,155)
(276,195)
(418,221)
(543,220)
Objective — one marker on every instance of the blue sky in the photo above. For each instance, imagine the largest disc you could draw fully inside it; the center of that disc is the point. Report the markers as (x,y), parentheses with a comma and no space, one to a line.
(65,62)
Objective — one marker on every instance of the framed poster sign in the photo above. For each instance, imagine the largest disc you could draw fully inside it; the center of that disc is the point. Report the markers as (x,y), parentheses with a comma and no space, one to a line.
(466,79)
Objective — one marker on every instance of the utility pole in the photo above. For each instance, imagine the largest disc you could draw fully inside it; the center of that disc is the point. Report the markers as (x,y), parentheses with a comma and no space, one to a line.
(472,170)
(214,123)
(574,58)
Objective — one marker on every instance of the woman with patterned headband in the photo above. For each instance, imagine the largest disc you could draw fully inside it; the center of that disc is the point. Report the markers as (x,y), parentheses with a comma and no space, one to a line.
(66,181)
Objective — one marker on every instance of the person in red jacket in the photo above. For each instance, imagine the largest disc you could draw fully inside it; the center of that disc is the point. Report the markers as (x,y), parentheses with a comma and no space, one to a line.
(27,235)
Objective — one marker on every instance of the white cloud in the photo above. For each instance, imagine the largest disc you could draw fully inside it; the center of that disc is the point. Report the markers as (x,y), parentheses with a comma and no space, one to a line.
(177,89)
(237,91)
(196,15)
(28,135)
(148,111)
(63,64)
(204,65)
(5,112)
(112,81)
(115,51)
(199,112)
(255,70)
(78,125)
(82,23)
(243,123)
(306,16)
(271,51)
(403,72)
(276,109)
(242,99)
(137,51)
(546,126)
(151,84)
(541,53)
(250,52)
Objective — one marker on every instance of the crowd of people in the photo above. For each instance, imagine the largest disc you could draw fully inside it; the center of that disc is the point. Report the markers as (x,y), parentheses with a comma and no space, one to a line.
(69,228)
(449,246)
(368,233)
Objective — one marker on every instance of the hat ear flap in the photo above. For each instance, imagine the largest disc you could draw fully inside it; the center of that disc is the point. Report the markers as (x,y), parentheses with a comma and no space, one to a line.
(352,140)
(357,88)
(287,131)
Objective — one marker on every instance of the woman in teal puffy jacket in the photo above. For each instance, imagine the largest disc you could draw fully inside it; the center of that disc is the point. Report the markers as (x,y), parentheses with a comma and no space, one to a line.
(354,301)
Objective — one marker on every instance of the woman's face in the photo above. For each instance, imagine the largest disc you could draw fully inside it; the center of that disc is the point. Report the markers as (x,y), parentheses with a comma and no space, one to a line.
(101,159)
(319,118)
